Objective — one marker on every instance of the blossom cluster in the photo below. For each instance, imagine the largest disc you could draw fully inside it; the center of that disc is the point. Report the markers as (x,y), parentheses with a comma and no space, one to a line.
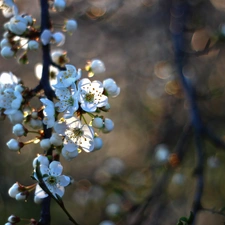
(22,35)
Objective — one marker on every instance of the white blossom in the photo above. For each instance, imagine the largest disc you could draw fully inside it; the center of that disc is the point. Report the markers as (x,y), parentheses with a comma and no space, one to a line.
(49,112)
(76,134)
(111,87)
(41,159)
(68,101)
(54,181)
(14,190)
(66,78)
(69,151)
(91,96)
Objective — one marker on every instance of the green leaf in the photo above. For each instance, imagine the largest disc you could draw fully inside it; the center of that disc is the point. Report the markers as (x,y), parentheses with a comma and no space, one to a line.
(179,223)
(184,219)
(191,217)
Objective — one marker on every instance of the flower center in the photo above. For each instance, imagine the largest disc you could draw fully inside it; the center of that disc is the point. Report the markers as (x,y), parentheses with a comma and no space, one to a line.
(70,101)
(52,180)
(89,97)
(78,132)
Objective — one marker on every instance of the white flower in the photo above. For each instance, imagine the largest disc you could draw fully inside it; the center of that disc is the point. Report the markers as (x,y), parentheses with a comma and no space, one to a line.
(7,52)
(46,37)
(49,112)
(59,57)
(33,45)
(97,66)
(56,140)
(45,143)
(111,87)
(19,130)
(91,95)
(8,80)
(67,77)
(58,38)
(68,101)
(14,145)
(98,143)
(108,125)
(76,134)
(10,100)
(54,181)
(97,122)
(70,26)
(59,5)
(18,25)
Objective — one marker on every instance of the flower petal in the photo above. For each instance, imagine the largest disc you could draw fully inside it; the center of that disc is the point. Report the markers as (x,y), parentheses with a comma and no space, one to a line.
(40,193)
(55,168)
(63,180)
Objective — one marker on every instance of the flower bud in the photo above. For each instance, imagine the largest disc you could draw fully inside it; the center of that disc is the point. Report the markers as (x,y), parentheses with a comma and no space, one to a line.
(46,37)
(45,143)
(43,160)
(59,38)
(59,5)
(7,52)
(13,219)
(14,190)
(17,117)
(97,122)
(108,125)
(111,87)
(14,145)
(38,200)
(19,130)
(98,143)
(70,26)
(21,196)
(55,139)
(5,42)
(17,25)
(107,222)
(60,57)
(97,66)
(36,124)
(33,45)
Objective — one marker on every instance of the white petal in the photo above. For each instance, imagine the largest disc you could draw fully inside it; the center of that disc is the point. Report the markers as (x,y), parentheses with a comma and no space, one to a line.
(55,168)
(40,193)
(63,180)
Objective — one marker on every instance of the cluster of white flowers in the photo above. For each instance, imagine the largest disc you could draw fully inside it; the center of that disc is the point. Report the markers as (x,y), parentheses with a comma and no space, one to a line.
(21,31)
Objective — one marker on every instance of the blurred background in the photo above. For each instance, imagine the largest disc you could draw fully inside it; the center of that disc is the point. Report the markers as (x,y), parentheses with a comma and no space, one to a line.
(151,114)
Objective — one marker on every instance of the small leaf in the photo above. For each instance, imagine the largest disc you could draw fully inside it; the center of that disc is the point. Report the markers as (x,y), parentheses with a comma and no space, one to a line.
(179,223)
(184,219)
(191,217)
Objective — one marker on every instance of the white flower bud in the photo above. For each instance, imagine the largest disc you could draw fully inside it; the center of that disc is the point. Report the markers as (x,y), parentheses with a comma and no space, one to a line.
(14,145)
(38,200)
(17,25)
(59,57)
(45,143)
(71,26)
(97,122)
(55,139)
(14,190)
(161,153)
(21,196)
(8,223)
(29,19)
(111,87)
(98,143)
(112,209)
(108,125)
(19,130)
(69,155)
(7,52)
(97,66)
(13,219)
(43,160)
(46,37)
(59,5)
(36,124)
(34,115)
(106,107)
(17,117)
(59,38)
(33,45)
(4,43)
